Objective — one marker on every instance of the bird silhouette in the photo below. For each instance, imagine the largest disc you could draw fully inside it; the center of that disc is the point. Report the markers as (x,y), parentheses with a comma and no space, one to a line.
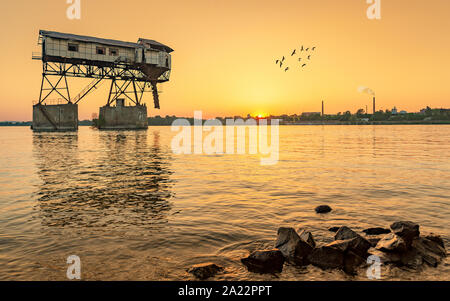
(303,60)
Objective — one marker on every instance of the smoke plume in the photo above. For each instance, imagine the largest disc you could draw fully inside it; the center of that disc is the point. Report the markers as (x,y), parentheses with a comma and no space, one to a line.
(366,90)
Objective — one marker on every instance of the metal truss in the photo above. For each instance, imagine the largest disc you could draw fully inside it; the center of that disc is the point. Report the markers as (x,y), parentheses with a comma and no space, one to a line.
(125,81)
(48,86)
(130,88)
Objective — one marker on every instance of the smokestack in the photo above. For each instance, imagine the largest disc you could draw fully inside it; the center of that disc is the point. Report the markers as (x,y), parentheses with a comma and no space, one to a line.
(322,109)
(374,105)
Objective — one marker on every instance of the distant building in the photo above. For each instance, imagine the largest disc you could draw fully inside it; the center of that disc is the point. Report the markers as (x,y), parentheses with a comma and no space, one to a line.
(403,112)
(394,111)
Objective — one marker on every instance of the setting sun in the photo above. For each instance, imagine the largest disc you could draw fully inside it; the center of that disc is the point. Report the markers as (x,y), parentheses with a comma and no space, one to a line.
(260,115)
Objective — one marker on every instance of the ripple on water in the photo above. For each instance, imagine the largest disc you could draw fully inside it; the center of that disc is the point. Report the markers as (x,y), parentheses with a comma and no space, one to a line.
(132,210)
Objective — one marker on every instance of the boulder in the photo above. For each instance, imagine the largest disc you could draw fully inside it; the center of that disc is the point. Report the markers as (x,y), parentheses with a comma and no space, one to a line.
(406,230)
(373,240)
(385,258)
(334,229)
(430,251)
(205,270)
(376,231)
(323,209)
(307,237)
(411,259)
(357,245)
(351,262)
(393,249)
(264,261)
(327,257)
(344,233)
(293,248)
(436,238)
(392,243)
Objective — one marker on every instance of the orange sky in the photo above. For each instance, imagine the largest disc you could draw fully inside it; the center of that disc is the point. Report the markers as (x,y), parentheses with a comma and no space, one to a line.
(225,51)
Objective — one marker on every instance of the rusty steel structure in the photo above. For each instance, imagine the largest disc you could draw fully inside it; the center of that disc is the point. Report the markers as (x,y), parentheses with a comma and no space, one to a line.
(133,68)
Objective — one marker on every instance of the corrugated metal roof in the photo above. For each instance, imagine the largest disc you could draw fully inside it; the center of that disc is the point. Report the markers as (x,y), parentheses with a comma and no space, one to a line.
(157,44)
(74,37)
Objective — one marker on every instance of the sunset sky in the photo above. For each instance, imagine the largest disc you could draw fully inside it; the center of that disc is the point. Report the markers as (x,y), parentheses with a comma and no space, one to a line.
(225,52)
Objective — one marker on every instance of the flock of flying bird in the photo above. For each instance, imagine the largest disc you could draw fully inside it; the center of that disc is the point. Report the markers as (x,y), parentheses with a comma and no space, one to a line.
(302,60)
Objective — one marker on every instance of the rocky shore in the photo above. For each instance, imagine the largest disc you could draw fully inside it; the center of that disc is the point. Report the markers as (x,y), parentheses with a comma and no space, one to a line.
(401,245)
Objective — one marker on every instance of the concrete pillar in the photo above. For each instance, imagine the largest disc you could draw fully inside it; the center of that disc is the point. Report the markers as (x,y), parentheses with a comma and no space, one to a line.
(123,117)
(55,118)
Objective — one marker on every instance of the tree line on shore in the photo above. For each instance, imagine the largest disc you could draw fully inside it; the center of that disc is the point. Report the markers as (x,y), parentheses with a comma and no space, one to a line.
(426,115)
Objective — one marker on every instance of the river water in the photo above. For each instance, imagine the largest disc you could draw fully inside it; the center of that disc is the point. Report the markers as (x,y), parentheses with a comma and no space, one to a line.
(131,209)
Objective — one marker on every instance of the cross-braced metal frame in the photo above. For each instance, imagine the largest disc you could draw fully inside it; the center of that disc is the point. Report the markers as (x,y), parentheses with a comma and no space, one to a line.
(130,88)
(125,81)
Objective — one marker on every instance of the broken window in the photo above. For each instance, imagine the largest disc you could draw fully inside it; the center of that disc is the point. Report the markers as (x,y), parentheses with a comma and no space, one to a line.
(101,50)
(73,47)
(113,52)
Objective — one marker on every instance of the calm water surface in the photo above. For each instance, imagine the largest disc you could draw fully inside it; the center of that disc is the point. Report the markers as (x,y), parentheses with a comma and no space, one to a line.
(132,210)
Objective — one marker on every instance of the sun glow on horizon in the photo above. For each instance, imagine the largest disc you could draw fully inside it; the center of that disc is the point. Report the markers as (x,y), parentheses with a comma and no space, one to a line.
(260,115)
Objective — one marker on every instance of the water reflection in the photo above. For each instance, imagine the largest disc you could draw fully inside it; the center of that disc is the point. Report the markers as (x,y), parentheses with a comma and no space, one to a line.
(124,184)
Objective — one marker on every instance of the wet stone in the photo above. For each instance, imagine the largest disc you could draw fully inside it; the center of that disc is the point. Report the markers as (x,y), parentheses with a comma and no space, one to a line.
(392,243)
(323,209)
(376,231)
(326,257)
(292,246)
(264,261)
(205,270)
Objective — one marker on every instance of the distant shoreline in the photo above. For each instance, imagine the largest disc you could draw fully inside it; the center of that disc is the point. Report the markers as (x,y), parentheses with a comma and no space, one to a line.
(434,122)
(370,122)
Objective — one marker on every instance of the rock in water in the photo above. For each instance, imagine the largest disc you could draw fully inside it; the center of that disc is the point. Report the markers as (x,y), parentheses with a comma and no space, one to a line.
(432,252)
(334,229)
(264,261)
(385,258)
(345,233)
(406,230)
(411,259)
(393,249)
(327,257)
(293,248)
(349,240)
(436,238)
(373,240)
(392,243)
(358,245)
(307,236)
(351,262)
(323,209)
(205,270)
(376,231)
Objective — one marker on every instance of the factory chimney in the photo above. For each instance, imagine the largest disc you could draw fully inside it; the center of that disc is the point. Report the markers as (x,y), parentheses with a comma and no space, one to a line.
(374,105)
(322,109)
